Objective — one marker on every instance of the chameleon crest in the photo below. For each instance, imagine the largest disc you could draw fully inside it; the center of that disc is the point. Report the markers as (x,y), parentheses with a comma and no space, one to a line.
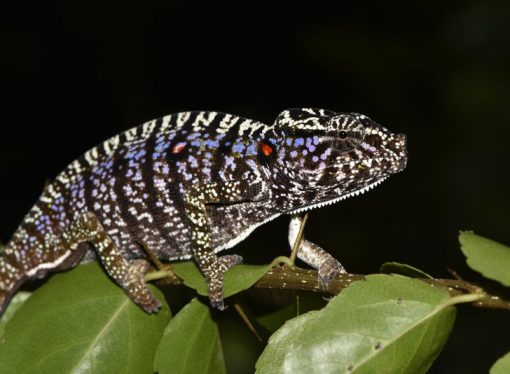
(193,184)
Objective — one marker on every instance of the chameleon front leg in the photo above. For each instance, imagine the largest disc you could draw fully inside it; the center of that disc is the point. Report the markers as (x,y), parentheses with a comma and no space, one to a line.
(127,274)
(213,267)
(314,255)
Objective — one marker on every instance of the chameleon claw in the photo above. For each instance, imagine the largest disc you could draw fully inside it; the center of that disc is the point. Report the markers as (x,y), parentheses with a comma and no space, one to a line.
(137,289)
(215,280)
(230,260)
(220,305)
(328,270)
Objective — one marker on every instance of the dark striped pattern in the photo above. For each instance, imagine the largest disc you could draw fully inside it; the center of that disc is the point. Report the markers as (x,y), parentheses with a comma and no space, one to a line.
(195,183)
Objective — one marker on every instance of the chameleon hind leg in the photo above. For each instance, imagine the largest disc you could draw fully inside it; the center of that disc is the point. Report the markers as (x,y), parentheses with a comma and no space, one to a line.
(127,274)
(213,267)
(310,253)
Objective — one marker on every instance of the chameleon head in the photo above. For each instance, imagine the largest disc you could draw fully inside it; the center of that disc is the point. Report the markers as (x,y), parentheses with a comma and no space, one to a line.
(337,155)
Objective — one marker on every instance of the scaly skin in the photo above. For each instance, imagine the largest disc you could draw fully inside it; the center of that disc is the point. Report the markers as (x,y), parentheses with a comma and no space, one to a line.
(192,184)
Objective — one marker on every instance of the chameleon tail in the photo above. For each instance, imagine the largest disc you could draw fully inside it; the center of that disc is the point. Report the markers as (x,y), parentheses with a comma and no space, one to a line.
(11,278)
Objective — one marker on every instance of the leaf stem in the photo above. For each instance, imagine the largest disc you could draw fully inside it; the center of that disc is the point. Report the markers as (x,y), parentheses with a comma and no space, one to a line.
(467,298)
(159,274)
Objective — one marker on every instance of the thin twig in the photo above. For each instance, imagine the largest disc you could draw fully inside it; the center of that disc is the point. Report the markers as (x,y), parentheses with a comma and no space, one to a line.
(299,238)
(295,278)
(247,320)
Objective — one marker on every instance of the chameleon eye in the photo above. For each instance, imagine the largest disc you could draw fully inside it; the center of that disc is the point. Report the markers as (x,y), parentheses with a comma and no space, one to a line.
(342,134)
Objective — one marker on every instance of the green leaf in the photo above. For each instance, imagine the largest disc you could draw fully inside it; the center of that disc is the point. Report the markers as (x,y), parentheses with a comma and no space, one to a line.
(501,366)
(237,279)
(486,256)
(403,269)
(190,343)
(17,301)
(385,324)
(80,321)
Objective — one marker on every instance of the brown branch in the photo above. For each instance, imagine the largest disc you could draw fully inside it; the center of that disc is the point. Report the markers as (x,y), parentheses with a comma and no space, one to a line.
(285,277)
(306,280)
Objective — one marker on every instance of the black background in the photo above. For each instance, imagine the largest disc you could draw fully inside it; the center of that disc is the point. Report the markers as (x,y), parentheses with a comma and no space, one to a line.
(75,73)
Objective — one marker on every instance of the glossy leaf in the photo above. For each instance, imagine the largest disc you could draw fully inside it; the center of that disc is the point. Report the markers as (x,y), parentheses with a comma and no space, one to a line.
(502,366)
(190,343)
(17,301)
(403,269)
(486,256)
(80,321)
(386,324)
(237,279)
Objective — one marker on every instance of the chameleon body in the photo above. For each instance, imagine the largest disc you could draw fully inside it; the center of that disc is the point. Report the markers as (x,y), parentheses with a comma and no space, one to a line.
(192,184)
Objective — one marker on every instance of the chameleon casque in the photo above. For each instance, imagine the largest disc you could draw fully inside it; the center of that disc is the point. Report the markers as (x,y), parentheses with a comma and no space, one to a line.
(192,184)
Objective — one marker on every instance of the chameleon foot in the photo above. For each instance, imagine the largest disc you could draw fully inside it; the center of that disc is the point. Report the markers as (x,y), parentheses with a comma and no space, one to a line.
(230,260)
(137,289)
(215,279)
(315,256)
(328,270)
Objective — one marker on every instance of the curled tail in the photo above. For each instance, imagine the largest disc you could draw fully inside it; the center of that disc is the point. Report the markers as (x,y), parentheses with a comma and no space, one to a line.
(12,276)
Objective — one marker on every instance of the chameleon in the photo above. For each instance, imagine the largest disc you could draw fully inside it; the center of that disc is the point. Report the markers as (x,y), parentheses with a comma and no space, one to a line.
(192,184)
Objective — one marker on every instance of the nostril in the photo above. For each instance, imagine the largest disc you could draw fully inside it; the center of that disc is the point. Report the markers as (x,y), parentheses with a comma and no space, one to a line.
(402,163)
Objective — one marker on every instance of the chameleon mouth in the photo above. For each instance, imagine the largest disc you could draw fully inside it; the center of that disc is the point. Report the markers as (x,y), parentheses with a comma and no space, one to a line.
(357,192)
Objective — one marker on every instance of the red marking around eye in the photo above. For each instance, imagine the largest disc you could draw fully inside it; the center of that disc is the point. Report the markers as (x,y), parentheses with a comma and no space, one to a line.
(266,149)
(178,148)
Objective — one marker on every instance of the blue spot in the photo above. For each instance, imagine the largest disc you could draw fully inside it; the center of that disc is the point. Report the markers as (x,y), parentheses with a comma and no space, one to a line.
(193,162)
(315,139)
(293,154)
(238,147)
(140,154)
(325,155)
(213,143)
(289,142)
(252,150)
(315,158)
(299,141)
(229,162)
(162,146)
(195,143)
